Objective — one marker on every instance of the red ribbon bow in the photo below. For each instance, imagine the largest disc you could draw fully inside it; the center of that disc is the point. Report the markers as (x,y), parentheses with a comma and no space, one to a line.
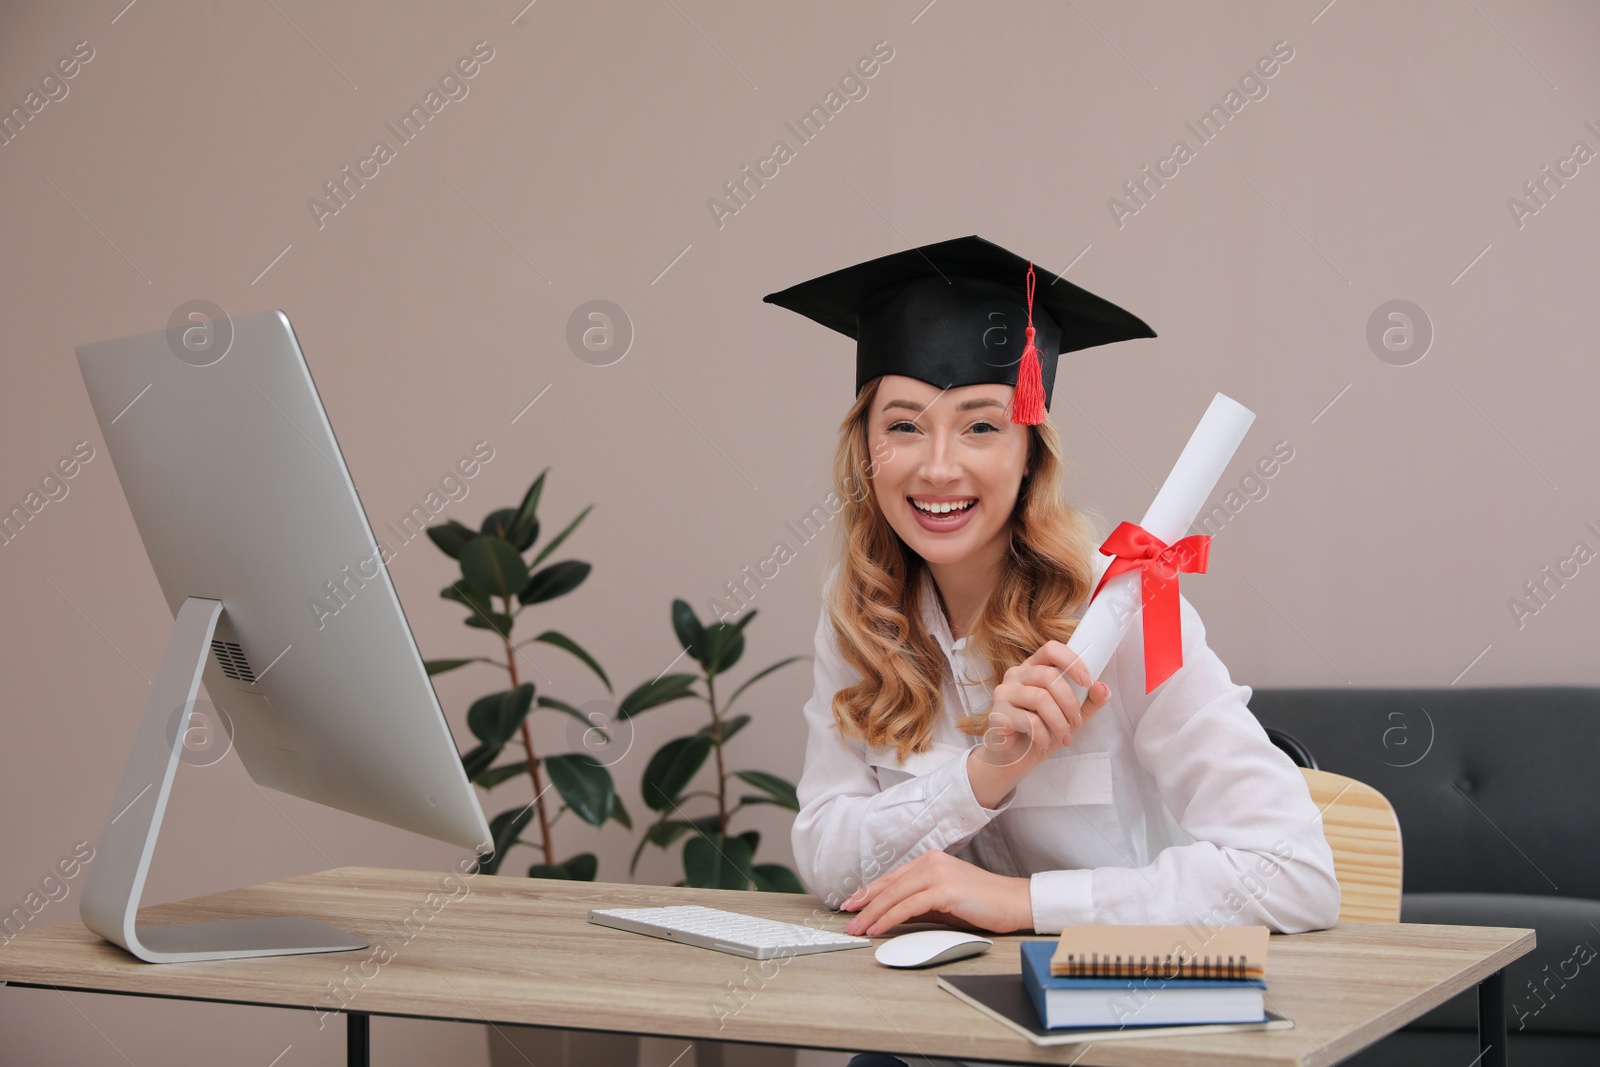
(1136,548)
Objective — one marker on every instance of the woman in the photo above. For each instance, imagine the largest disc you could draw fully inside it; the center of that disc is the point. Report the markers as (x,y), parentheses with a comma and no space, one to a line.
(951,775)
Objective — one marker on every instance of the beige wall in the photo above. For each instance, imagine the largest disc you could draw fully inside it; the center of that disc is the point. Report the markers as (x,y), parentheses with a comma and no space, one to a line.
(1377,167)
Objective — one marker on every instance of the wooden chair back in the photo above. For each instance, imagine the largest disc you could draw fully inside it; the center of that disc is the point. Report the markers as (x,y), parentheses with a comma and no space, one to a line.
(1365,836)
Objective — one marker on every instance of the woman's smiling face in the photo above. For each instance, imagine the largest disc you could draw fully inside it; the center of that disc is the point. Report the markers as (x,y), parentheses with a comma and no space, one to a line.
(951,481)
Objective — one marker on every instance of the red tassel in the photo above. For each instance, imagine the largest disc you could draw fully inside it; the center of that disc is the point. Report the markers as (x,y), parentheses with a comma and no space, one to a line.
(1027,400)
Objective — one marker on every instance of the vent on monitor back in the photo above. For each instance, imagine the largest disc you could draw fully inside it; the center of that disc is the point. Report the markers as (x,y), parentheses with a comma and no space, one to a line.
(230,657)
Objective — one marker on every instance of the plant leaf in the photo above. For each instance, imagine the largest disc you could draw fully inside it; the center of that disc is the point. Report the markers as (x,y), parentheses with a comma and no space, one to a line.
(476,763)
(567,709)
(439,666)
(712,861)
(775,787)
(691,635)
(776,878)
(620,813)
(753,679)
(497,621)
(491,567)
(461,594)
(451,537)
(503,773)
(558,579)
(729,727)
(567,644)
(755,798)
(582,867)
(555,542)
(663,690)
(724,643)
(495,719)
(584,784)
(579,868)
(498,523)
(525,528)
(670,769)
(664,832)
(505,828)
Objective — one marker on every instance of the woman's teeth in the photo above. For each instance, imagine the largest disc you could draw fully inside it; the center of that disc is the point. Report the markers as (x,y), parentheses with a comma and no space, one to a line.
(943,509)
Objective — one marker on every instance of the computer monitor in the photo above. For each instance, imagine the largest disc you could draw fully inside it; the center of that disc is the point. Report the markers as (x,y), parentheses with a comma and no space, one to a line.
(254,529)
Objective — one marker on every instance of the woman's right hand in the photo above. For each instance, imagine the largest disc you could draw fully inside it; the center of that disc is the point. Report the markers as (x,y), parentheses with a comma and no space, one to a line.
(1034,714)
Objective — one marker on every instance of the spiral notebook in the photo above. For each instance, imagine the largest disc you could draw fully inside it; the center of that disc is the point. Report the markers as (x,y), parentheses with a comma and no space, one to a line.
(1111,951)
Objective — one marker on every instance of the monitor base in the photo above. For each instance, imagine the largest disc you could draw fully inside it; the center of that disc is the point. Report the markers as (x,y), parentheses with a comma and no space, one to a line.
(116,878)
(235,938)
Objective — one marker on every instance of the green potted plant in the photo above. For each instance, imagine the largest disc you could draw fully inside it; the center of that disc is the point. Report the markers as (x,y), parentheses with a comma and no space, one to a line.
(713,856)
(498,584)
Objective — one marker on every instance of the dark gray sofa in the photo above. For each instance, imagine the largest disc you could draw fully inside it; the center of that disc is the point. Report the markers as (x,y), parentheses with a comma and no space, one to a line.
(1498,796)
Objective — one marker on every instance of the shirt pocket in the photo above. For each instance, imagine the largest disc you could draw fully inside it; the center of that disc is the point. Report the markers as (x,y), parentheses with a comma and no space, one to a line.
(1076,778)
(891,771)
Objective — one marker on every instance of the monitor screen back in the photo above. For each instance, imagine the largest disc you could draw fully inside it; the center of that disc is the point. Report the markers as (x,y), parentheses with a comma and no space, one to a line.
(240,494)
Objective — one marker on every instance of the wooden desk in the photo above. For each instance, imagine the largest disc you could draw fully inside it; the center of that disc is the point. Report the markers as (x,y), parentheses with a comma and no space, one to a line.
(518,950)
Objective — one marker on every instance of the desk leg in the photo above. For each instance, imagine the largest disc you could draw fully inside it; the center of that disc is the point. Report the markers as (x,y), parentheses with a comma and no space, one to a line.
(358,1039)
(1492,1020)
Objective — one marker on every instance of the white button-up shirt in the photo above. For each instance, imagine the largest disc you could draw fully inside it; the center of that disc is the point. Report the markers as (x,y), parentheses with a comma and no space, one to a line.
(1169,808)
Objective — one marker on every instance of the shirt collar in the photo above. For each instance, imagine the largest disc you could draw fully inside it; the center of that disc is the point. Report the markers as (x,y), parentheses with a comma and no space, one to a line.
(933,616)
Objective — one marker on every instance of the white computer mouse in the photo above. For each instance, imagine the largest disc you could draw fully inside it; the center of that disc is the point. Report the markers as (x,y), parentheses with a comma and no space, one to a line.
(924,948)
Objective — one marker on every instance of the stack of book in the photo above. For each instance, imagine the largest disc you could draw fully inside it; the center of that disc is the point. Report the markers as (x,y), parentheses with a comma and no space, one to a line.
(1097,983)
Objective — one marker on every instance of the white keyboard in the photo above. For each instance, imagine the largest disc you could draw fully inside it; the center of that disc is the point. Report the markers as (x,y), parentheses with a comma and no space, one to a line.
(725,931)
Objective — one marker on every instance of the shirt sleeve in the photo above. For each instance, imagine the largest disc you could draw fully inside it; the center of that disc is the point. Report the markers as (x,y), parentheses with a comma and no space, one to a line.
(1259,855)
(850,830)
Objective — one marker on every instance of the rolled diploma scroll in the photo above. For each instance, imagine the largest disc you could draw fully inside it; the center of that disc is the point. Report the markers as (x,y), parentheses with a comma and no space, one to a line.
(1210,449)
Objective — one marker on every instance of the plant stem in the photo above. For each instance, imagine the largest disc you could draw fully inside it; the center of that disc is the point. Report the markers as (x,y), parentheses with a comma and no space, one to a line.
(533,761)
(716,743)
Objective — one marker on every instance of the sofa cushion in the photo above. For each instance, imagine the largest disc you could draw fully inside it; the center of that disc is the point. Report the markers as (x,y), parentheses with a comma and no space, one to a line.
(1553,989)
(1437,1048)
(1493,787)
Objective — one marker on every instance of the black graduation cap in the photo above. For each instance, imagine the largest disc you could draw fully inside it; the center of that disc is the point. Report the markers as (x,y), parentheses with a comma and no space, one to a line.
(962,312)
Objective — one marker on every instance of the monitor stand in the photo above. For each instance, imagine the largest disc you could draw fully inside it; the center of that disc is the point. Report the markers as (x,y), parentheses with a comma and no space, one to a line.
(116,877)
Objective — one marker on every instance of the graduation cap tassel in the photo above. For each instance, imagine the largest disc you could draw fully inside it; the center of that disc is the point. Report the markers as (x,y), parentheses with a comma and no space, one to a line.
(1027,401)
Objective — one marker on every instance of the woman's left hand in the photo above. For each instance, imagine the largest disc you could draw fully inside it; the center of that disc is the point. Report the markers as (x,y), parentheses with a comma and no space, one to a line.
(938,887)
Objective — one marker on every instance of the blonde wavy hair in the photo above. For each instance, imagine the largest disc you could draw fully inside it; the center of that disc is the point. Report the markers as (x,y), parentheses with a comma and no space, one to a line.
(1044,584)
